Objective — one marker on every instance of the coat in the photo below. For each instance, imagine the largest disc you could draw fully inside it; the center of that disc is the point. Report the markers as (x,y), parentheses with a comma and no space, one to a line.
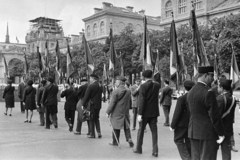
(166,96)
(148,99)
(71,99)
(39,99)
(8,95)
(81,91)
(119,107)
(49,97)
(228,120)
(21,88)
(181,113)
(29,96)
(205,120)
(135,93)
(94,93)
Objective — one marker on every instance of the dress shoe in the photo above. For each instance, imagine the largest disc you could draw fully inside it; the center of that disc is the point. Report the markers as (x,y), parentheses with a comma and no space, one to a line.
(5,113)
(90,136)
(77,133)
(113,144)
(136,151)
(55,126)
(41,124)
(155,154)
(10,114)
(29,121)
(70,129)
(26,121)
(131,144)
(47,128)
(99,135)
(234,149)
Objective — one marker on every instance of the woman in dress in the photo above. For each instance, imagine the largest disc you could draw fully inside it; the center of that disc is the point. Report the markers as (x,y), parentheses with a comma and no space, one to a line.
(29,100)
(8,95)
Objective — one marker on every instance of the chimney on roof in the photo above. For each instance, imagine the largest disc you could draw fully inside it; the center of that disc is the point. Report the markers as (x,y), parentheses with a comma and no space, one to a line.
(106,5)
(142,12)
(96,10)
(129,8)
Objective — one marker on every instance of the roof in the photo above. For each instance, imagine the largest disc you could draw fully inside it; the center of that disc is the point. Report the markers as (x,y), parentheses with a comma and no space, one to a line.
(227,4)
(44,18)
(124,12)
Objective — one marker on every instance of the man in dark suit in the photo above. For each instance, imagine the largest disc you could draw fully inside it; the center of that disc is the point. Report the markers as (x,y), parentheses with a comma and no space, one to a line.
(148,111)
(205,128)
(50,102)
(21,88)
(93,97)
(166,101)
(80,94)
(180,123)
(70,105)
(41,108)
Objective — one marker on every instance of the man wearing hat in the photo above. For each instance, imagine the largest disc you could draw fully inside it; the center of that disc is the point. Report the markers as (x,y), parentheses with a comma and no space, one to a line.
(205,128)
(93,98)
(227,104)
(50,102)
(180,123)
(41,108)
(148,111)
(118,111)
(80,94)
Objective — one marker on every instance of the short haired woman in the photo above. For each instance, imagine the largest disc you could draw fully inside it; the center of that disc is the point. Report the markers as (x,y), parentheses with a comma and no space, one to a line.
(8,95)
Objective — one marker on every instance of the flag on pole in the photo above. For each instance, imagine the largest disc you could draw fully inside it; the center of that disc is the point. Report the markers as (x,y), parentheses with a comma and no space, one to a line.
(26,65)
(88,54)
(157,75)
(215,67)
(6,67)
(145,54)
(104,72)
(70,68)
(40,60)
(234,72)
(46,56)
(113,59)
(57,68)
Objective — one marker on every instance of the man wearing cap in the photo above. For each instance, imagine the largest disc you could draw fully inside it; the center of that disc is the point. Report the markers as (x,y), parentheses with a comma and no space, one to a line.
(70,105)
(93,97)
(118,111)
(148,111)
(50,102)
(180,123)
(227,104)
(205,128)
(135,91)
(41,108)
(80,94)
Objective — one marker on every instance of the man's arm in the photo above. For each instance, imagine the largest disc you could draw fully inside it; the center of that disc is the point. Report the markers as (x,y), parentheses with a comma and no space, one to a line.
(178,112)
(113,102)
(142,100)
(86,96)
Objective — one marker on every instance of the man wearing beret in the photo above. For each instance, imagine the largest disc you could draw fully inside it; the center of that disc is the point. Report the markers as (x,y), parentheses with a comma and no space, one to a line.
(93,97)
(50,102)
(148,111)
(205,128)
(118,111)
(41,108)
(227,105)
(180,123)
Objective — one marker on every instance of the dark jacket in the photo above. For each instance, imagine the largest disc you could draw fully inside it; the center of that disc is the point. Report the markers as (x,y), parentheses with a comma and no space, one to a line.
(205,120)
(93,92)
(49,97)
(39,99)
(71,99)
(29,96)
(8,95)
(166,96)
(228,120)
(21,88)
(148,99)
(181,113)
(81,91)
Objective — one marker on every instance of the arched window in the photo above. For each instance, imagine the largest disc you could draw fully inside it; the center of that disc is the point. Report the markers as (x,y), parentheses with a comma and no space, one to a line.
(88,31)
(182,6)
(95,29)
(102,28)
(168,8)
(197,4)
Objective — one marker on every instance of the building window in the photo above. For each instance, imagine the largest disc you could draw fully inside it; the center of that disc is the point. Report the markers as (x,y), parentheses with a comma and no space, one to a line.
(168,8)
(95,29)
(102,28)
(197,4)
(182,6)
(88,31)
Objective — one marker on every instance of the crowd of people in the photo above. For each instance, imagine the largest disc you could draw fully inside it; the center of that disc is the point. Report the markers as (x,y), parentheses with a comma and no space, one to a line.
(202,121)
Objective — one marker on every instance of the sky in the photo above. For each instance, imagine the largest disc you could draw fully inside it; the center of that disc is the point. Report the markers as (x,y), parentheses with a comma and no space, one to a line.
(17,13)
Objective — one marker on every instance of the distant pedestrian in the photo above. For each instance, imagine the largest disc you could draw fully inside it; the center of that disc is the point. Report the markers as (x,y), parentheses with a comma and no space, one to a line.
(21,88)
(8,95)
(148,111)
(41,108)
(166,101)
(29,99)
(118,111)
(180,123)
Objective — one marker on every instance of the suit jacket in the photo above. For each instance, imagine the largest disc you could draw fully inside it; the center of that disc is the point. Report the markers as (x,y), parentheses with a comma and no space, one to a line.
(166,96)
(148,99)
(29,97)
(205,120)
(71,99)
(8,95)
(21,88)
(81,91)
(93,92)
(181,113)
(135,94)
(49,97)
(119,107)
(228,120)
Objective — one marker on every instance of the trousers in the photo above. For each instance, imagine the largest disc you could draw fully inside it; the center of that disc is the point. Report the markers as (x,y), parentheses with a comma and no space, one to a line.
(94,122)
(48,111)
(127,133)
(135,111)
(42,118)
(166,110)
(70,116)
(226,147)
(22,106)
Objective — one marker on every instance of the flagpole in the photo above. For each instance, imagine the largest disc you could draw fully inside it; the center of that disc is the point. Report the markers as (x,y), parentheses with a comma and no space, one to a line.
(86,61)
